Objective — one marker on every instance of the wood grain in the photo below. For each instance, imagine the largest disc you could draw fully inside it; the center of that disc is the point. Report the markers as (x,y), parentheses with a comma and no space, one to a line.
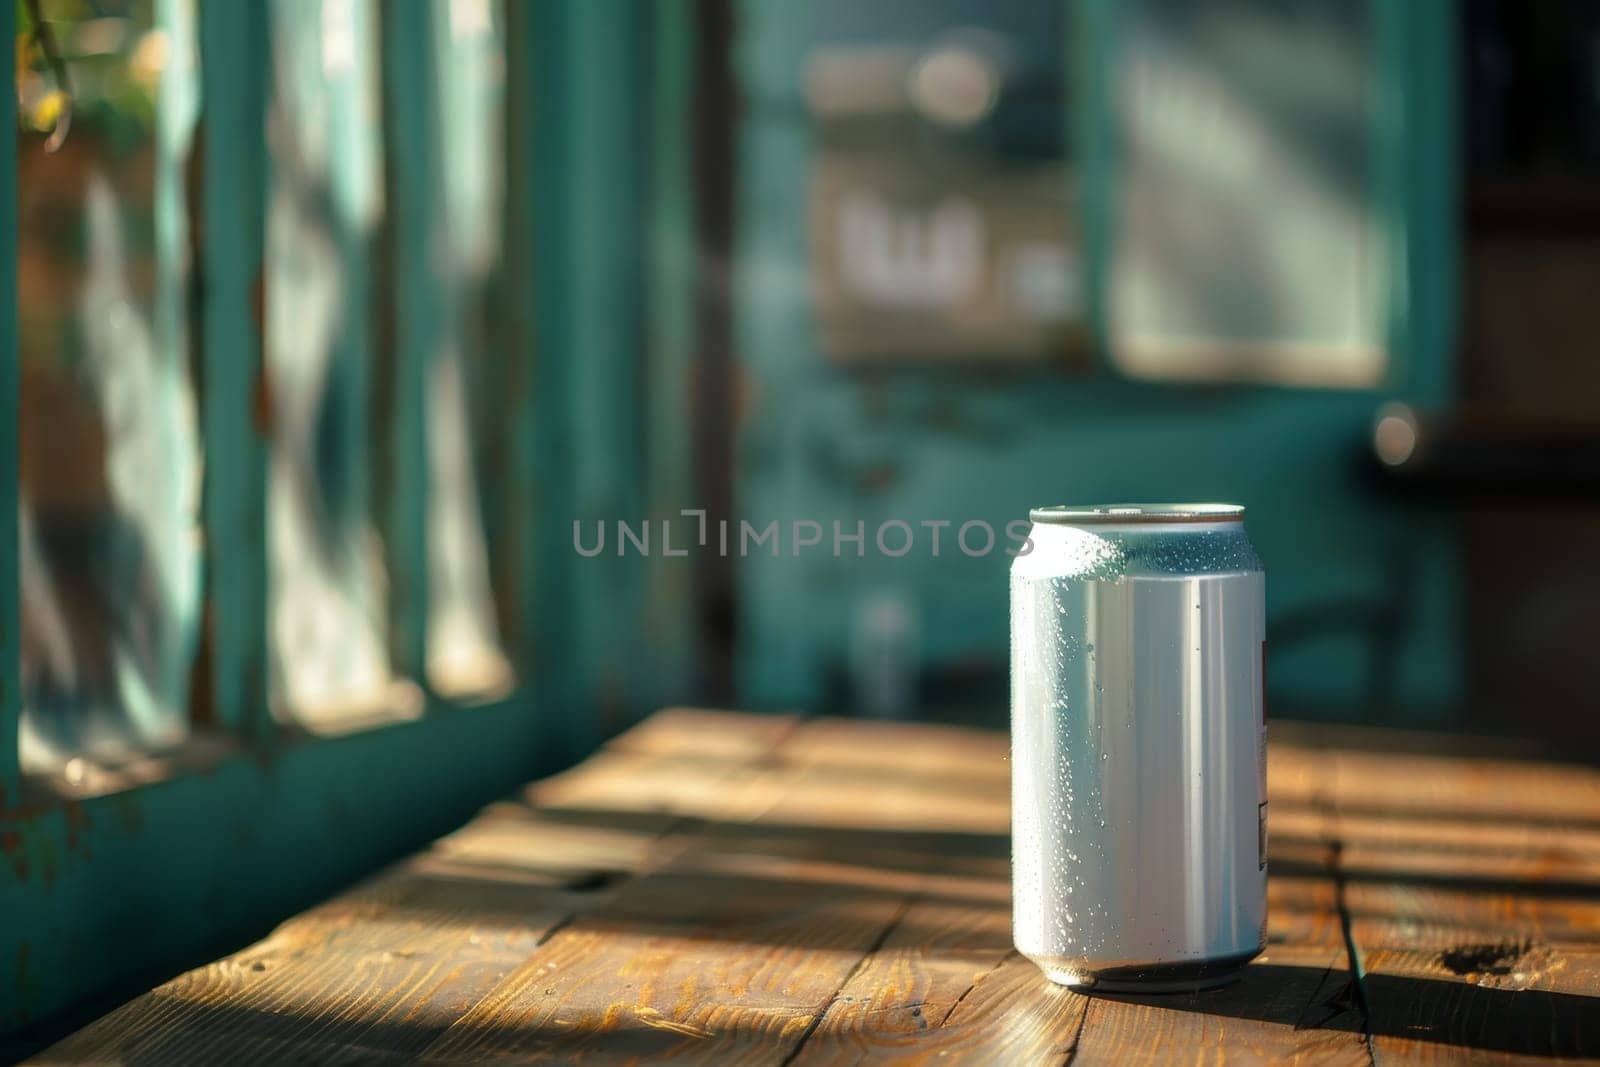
(383,971)
(1272,1014)
(742,943)
(678,967)
(713,887)
(1472,890)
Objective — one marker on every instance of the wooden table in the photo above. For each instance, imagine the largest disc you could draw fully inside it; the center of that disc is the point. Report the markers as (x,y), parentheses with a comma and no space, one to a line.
(718,887)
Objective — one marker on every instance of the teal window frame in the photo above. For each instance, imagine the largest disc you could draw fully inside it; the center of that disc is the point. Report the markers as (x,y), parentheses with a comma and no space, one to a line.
(1415,154)
(207,846)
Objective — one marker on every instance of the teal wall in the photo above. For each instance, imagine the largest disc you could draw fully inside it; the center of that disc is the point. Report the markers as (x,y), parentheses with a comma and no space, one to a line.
(1363,592)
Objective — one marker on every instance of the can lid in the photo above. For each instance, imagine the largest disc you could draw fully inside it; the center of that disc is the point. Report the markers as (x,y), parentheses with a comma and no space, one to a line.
(1135,514)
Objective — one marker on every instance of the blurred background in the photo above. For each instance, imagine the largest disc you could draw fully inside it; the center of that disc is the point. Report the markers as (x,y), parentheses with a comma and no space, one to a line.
(858,261)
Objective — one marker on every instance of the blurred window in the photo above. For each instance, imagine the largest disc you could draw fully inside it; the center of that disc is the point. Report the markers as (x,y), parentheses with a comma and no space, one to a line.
(942,195)
(108,97)
(326,568)
(1233,147)
(1249,239)
(468,423)
(111,460)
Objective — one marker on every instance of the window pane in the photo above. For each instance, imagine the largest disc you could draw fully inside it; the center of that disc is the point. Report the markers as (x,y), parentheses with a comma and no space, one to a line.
(467,424)
(110,463)
(941,195)
(1249,236)
(326,572)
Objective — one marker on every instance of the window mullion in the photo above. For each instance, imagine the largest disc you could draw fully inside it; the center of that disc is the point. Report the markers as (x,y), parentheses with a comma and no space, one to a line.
(235,408)
(421,306)
(10,615)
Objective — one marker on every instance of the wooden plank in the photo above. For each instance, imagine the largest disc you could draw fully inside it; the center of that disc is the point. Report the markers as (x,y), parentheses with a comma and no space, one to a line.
(1471,887)
(899,1002)
(1269,1016)
(1529,874)
(955,931)
(1435,992)
(1505,970)
(610,786)
(869,746)
(705,732)
(887,847)
(679,966)
(1493,791)
(735,948)
(897,782)
(1507,914)
(1013,1015)
(714,887)
(385,969)
(345,992)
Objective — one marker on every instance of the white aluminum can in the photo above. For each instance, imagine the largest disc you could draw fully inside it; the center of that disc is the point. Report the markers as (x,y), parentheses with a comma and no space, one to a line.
(1138,746)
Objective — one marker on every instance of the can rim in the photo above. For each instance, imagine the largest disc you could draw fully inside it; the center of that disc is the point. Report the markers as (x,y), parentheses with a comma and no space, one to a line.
(1135,514)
